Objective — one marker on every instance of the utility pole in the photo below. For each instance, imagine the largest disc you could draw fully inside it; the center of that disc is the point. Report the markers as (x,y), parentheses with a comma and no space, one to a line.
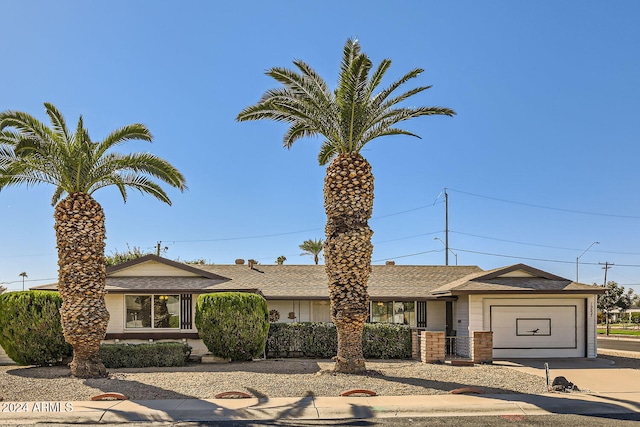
(446,228)
(606,312)
(158,248)
(607,266)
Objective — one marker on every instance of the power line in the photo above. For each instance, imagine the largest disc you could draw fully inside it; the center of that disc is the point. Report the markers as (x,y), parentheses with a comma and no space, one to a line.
(539,245)
(262,236)
(405,256)
(540,259)
(516,257)
(545,207)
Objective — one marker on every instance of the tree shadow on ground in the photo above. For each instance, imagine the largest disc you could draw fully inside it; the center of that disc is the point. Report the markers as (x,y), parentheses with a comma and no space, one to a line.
(443,387)
(556,404)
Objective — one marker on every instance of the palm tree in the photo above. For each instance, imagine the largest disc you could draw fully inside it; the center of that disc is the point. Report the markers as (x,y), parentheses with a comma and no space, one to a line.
(348,118)
(23,275)
(33,153)
(312,247)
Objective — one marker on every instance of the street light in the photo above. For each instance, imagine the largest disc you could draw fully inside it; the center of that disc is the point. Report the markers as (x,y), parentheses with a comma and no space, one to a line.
(446,248)
(578,258)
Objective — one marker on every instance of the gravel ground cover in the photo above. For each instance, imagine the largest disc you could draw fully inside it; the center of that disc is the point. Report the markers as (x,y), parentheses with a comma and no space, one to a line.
(268,378)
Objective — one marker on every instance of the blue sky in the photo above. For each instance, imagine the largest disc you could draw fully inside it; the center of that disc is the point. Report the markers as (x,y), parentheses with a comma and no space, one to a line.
(540,161)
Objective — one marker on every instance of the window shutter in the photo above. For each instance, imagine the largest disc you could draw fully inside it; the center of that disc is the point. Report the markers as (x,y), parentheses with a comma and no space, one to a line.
(185,311)
(421,314)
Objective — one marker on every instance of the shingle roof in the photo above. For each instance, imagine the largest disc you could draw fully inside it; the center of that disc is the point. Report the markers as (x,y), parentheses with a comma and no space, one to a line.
(168,284)
(499,281)
(386,282)
(310,281)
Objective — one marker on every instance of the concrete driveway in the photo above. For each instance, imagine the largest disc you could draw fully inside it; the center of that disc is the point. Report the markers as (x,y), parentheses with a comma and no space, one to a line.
(593,375)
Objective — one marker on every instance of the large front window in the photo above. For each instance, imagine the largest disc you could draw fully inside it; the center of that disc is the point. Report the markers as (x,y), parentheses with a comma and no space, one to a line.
(152,311)
(398,312)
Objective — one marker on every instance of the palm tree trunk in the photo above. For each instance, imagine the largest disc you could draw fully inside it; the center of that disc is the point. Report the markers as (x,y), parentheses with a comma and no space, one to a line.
(348,203)
(80,237)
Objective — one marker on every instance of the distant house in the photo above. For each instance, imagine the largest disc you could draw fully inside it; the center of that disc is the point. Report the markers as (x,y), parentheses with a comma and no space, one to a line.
(532,313)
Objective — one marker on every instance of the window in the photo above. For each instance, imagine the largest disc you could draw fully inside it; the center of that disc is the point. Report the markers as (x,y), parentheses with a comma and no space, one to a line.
(398,312)
(163,313)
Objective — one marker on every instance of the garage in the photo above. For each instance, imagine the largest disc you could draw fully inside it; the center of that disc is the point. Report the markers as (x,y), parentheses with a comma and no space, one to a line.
(541,328)
(532,313)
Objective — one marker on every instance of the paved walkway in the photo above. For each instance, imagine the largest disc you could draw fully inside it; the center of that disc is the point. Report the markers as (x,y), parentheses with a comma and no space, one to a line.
(596,376)
(611,391)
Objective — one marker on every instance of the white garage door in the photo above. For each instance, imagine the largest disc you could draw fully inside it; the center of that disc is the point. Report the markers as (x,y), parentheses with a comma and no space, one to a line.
(548,329)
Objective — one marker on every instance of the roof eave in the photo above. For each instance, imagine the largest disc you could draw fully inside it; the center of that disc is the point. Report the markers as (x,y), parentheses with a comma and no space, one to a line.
(529,291)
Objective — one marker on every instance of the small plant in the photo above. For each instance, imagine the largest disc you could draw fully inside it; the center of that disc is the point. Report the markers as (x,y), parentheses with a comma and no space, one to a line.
(30,328)
(233,325)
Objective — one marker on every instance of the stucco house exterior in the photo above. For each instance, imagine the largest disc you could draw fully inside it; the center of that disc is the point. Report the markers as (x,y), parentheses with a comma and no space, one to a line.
(532,313)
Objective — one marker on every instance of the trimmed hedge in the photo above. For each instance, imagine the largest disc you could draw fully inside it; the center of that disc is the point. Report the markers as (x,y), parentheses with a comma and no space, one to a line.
(30,328)
(320,340)
(144,355)
(233,325)
(386,341)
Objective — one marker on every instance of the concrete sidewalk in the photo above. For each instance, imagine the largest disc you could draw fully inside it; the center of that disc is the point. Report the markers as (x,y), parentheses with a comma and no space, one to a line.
(315,408)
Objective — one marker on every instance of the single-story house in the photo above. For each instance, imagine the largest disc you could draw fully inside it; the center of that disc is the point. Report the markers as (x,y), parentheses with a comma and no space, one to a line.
(532,313)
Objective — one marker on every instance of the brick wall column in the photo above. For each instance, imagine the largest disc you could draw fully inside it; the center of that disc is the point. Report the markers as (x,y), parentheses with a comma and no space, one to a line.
(482,347)
(432,347)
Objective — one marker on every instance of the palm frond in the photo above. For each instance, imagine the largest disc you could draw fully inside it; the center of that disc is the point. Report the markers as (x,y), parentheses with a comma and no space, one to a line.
(137,182)
(57,120)
(32,153)
(57,195)
(348,117)
(136,131)
(26,125)
(327,153)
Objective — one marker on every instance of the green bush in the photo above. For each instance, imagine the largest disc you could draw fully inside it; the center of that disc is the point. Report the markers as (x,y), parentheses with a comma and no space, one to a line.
(320,340)
(30,328)
(386,341)
(233,325)
(282,339)
(144,355)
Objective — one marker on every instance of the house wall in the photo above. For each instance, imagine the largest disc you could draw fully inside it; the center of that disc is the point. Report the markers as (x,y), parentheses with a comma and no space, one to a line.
(152,268)
(115,306)
(303,310)
(592,325)
(436,316)
(461,316)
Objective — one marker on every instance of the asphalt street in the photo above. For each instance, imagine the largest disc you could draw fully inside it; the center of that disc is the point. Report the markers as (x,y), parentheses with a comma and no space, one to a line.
(556,420)
(623,344)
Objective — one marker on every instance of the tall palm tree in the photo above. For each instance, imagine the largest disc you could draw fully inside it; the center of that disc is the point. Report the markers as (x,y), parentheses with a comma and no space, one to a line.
(33,153)
(312,247)
(23,275)
(348,118)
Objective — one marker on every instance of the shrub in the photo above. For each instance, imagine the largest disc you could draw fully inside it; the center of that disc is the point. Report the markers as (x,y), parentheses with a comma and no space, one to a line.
(282,339)
(30,328)
(233,325)
(386,341)
(320,340)
(144,355)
